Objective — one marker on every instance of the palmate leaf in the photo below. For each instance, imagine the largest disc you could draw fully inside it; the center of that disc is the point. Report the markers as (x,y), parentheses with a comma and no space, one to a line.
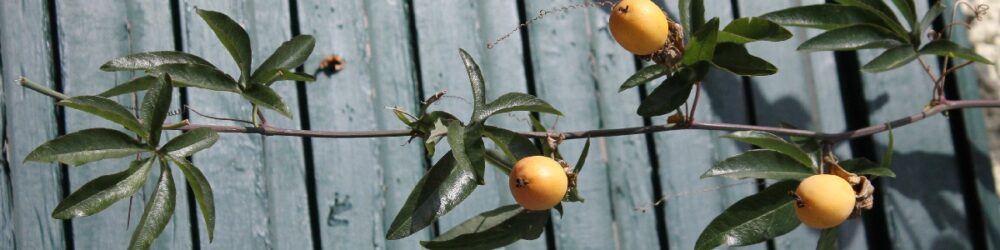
(750,29)
(736,59)
(134,85)
(86,146)
(468,148)
(443,187)
(265,97)
(891,59)
(477,82)
(159,209)
(643,76)
(197,76)
(753,219)
(289,55)
(190,142)
(104,191)
(149,60)
(233,37)
(950,49)
(511,102)
(202,192)
(855,37)
(822,16)
(155,107)
(760,163)
(493,229)
(107,109)
(773,142)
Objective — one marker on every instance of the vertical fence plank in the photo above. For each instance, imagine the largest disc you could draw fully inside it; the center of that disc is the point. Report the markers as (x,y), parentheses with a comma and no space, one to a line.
(249,173)
(35,186)
(922,214)
(91,33)
(976,136)
(561,59)
(6,197)
(627,157)
(379,73)
(691,202)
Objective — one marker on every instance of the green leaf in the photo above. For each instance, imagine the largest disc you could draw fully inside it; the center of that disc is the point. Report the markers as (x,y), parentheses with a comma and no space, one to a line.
(753,219)
(107,109)
(760,163)
(190,142)
(232,36)
(701,46)
(104,191)
(431,127)
(755,29)
(265,97)
(891,59)
(86,146)
(881,10)
(909,11)
(855,37)
(950,49)
(149,60)
(514,101)
(202,192)
(468,147)
(574,193)
(275,75)
(197,76)
(159,209)
(643,76)
(828,239)
(537,126)
(155,108)
(672,93)
(514,145)
(932,13)
(862,166)
(443,187)
(497,159)
(692,15)
(478,85)
(492,229)
(887,155)
(736,59)
(289,55)
(823,16)
(773,142)
(135,85)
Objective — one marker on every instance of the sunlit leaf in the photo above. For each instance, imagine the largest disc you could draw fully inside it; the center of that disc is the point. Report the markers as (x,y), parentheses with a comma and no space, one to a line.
(477,82)
(701,45)
(104,191)
(86,146)
(190,142)
(492,229)
(750,29)
(289,55)
(753,219)
(514,101)
(760,163)
(159,209)
(107,109)
(265,97)
(134,85)
(442,188)
(773,142)
(468,147)
(197,76)
(822,16)
(149,60)
(155,108)
(855,37)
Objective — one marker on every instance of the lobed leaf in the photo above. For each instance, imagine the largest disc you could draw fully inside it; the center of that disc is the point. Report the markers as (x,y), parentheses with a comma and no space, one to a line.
(753,219)
(102,192)
(760,163)
(514,101)
(770,141)
(468,148)
(107,109)
(749,29)
(135,85)
(443,187)
(86,146)
(891,59)
(823,16)
(950,49)
(202,192)
(289,55)
(736,59)
(155,108)
(232,36)
(855,37)
(265,97)
(190,142)
(701,46)
(643,76)
(197,76)
(149,60)
(159,209)
(493,229)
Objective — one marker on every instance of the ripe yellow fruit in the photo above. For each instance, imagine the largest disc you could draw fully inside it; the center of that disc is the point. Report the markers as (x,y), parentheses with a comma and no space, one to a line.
(639,26)
(825,201)
(538,183)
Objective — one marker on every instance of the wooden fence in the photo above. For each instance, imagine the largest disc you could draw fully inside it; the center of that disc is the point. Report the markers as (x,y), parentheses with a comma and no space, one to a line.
(301,193)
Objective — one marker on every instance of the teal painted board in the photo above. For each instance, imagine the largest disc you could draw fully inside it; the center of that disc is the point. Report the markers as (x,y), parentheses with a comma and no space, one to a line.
(442,28)
(629,169)
(691,202)
(394,82)
(27,51)
(6,197)
(976,136)
(90,34)
(504,69)
(237,166)
(561,57)
(354,176)
(922,214)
